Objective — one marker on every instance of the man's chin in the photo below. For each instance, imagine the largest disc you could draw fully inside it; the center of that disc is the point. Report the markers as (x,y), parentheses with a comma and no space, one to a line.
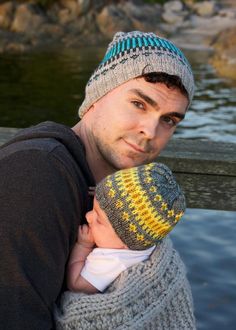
(131,163)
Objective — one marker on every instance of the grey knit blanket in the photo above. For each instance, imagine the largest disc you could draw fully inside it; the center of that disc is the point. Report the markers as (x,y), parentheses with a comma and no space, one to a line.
(154,294)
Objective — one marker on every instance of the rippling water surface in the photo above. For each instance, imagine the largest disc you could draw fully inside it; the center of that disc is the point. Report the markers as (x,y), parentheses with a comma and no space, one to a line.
(206,241)
(212,114)
(50,86)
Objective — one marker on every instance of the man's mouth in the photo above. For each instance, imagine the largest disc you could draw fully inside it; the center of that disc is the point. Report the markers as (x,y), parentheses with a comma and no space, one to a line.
(135,146)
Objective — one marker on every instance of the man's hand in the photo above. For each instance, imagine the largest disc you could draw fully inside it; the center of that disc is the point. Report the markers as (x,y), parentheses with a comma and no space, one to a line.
(85,236)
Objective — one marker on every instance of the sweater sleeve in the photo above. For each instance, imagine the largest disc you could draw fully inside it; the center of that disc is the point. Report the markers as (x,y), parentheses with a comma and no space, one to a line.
(39,215)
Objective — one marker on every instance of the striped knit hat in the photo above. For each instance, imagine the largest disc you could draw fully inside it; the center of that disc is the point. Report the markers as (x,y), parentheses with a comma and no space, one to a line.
(142,203)
(131,55)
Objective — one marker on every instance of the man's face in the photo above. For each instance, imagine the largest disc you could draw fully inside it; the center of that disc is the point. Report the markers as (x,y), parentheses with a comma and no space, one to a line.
(130,125)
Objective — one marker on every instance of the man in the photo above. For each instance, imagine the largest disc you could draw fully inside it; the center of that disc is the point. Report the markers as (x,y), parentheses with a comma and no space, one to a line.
(129,113)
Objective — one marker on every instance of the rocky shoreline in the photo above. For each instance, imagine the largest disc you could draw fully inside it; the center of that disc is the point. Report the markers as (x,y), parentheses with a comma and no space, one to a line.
(27,26)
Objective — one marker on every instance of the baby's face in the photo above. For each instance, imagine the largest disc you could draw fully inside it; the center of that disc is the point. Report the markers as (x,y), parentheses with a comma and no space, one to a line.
(102,231)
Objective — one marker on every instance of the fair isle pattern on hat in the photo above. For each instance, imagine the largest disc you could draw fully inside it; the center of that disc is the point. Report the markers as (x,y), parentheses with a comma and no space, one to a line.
(142,203)
(132,54)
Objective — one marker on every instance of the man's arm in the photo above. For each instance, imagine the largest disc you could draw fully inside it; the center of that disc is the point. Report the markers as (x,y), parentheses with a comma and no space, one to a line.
(82,248)
(39,216)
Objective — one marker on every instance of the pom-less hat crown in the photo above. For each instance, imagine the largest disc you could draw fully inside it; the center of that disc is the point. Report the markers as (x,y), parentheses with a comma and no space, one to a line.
(142,203)
(131,55)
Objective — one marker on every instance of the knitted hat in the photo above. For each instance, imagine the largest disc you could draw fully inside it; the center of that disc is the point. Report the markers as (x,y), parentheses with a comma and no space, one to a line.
(142,203)
(131,55)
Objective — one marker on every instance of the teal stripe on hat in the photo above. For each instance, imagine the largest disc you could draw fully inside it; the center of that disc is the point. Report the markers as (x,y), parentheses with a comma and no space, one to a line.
(157,42)
(118,47)
(134,42)
(151,41)
(114,50)
(140,44)
(145,42)
(123,46)
(128,43)
(161,43)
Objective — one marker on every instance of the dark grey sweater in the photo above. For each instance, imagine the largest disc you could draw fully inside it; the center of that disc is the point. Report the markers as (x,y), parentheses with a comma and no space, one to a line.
(43,198)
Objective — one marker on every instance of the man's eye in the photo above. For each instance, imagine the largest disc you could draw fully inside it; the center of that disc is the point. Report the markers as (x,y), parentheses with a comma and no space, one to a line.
(170,121)
(138,105)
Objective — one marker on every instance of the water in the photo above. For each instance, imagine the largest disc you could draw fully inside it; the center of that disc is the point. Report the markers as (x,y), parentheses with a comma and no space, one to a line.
(212,115)
(206,241)
(50,85)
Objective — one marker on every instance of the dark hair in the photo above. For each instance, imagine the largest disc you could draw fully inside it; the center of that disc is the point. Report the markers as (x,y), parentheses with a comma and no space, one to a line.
(171,81)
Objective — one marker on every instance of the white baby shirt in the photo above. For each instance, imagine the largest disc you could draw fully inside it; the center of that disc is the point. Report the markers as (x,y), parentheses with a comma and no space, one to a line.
(102,266)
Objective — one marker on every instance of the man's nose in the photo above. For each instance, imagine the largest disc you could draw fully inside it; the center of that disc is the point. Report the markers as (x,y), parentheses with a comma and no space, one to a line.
(149,128)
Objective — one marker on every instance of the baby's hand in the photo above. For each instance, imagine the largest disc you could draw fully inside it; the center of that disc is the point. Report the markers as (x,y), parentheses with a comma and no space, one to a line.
(85,236)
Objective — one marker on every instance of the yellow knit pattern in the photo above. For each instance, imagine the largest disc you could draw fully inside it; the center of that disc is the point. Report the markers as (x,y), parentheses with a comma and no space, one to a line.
(143,203)
(137,202)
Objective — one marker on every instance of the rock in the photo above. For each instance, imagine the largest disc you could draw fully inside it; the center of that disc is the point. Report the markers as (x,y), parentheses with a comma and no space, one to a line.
(92,5)
(83,6)
(113,19)
(224,59)
(189,3)
(65,16)
(227,13)
(51,31)
(53,12)
(205,8)
(171,17)
(75,22)
(27,19)
(211,25)
(15,47)
(6,14)
(174,6)
(174,12)
(69,11)
(71,5)
(143,17)
(85,25)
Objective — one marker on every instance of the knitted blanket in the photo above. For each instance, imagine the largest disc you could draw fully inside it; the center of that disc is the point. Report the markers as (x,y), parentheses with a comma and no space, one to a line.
(154,294)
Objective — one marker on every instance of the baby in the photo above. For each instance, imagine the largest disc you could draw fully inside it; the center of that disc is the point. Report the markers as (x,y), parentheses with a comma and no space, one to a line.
(133,210)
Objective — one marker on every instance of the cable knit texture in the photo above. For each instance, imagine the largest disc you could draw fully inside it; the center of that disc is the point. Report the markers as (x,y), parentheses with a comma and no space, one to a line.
(154,294)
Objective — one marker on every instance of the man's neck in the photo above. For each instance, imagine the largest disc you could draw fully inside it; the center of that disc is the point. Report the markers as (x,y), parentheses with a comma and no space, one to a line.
(97,164)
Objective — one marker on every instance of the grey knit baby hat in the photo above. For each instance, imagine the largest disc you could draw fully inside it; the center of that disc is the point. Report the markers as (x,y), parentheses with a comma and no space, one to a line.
(130,55)
(142,203)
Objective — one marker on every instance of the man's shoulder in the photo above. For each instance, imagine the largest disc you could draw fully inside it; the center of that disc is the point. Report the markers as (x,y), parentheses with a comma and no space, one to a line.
(48,147)
(46,137)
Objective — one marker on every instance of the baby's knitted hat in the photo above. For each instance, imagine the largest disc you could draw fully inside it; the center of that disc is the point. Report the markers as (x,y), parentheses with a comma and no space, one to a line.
(131,55)
(142,203)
